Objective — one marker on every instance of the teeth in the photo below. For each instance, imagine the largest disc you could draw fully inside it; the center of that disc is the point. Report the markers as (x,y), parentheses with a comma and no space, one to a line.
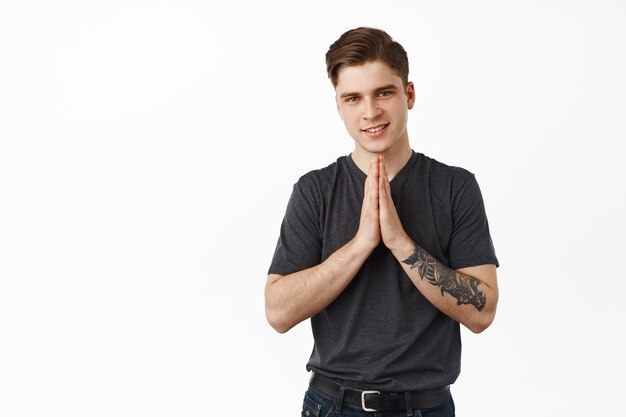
(375,129)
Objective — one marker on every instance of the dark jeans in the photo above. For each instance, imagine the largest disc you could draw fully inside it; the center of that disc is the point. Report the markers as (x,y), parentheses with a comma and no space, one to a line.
(318,404)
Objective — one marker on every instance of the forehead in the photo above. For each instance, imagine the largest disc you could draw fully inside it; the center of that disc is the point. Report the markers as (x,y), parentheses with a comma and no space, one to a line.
(366,77)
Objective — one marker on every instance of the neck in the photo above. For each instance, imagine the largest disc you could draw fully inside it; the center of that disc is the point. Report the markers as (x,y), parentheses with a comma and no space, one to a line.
(395,159)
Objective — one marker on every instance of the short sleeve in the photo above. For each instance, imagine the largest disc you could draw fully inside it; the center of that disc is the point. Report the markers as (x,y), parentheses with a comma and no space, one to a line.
(299,245)
(470,242)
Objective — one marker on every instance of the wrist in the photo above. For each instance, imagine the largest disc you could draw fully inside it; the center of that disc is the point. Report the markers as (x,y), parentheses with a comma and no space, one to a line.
(363,245)
(402,248)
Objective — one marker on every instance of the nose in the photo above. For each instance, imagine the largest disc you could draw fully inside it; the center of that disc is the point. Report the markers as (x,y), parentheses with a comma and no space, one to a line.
(371,109)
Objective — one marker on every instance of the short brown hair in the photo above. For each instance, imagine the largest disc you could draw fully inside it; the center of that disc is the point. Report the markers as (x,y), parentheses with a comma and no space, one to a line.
(362,45)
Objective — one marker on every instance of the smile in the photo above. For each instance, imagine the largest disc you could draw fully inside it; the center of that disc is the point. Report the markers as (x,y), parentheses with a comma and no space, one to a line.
(376,129)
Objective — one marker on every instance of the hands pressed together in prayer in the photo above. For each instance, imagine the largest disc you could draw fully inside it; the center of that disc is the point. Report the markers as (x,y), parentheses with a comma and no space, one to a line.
(379,218)
(466,286)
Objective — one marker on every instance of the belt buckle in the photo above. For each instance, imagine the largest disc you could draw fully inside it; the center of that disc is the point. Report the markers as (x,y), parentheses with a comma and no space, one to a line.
(363,399)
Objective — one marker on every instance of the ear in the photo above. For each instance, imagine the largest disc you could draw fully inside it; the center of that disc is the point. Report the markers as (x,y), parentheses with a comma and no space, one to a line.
(410,94)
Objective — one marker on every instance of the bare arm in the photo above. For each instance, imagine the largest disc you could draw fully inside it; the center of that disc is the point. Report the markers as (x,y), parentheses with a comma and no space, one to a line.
(469,295)
(290,299)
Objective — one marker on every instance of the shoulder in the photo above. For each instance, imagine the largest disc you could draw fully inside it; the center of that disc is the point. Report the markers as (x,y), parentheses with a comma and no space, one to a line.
(443,176)
(317,180)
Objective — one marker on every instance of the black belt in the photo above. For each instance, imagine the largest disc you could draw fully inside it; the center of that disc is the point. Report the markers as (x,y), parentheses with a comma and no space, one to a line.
(371,400)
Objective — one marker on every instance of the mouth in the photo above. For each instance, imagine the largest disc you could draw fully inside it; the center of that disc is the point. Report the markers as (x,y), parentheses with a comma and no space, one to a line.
(375,129)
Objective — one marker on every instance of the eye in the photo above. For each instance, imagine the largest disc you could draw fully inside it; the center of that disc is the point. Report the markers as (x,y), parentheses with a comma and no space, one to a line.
(384,93)
(352,99)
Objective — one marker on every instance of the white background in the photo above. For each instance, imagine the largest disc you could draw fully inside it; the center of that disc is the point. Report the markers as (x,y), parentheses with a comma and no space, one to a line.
(148,149)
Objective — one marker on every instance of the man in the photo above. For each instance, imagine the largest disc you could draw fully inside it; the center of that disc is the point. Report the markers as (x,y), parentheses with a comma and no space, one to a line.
(386,250)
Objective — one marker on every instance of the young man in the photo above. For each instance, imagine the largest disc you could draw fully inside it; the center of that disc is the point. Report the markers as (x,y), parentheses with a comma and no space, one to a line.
(386,250)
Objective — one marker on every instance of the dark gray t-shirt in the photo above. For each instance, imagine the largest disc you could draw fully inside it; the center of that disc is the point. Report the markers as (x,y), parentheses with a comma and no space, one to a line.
(380,332)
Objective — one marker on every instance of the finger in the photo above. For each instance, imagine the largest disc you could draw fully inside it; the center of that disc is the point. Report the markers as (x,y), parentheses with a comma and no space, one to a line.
(372,167)
(380,184)
(383,182)
(375,195)
(368,178)
(371,184)
(372,170)
(383,167)
(385,176)
(376,170)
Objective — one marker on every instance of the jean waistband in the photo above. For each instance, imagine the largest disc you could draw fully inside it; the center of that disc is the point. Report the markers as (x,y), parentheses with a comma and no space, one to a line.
(373,400)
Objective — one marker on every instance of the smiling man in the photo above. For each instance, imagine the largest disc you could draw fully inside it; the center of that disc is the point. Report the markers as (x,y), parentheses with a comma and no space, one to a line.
(386,250)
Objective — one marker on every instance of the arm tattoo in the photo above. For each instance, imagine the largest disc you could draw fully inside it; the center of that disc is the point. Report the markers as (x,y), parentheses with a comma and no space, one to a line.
(462,287)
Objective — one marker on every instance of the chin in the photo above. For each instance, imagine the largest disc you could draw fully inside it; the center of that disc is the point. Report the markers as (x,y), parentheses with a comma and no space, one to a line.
(378,148)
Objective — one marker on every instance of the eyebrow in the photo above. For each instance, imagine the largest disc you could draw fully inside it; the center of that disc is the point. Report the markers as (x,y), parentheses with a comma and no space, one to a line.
(377,90)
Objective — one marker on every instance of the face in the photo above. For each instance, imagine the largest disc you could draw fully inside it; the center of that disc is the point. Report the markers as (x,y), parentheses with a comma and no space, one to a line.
(374,105)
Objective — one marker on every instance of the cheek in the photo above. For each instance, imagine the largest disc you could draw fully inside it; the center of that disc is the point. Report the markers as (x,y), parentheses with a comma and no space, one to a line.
(353,123)
(348,118)
(402,112)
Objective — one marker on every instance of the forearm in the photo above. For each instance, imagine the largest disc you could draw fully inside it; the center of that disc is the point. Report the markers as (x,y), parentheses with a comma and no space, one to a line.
(465,298)
(290,299)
